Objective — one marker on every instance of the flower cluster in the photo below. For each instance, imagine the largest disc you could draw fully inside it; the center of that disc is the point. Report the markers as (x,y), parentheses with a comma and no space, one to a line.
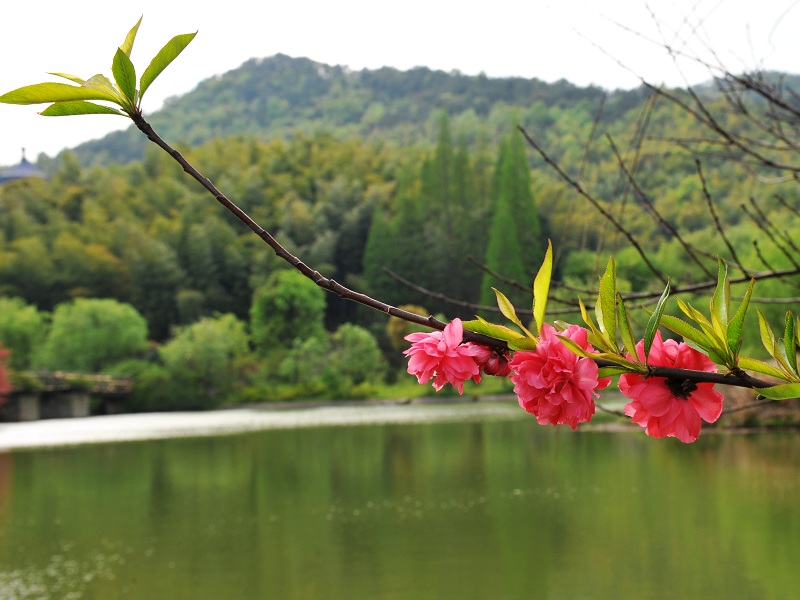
(553,383)
(559,387)
(443,357)
(671,407)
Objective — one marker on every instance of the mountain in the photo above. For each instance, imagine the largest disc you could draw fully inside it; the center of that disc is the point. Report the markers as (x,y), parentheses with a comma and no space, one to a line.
(280,95)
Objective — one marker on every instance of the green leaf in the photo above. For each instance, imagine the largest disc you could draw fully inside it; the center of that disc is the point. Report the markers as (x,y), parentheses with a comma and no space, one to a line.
(596,338)
(737,322)
(162,60)
(102,83)
(523,344)
(720,301)
(789,344)
(605,310)
(717,357)
(74,78)
(759,366)
(127,45)
(541,287)
(39,93)
(611,371)
(586,318)
(509,312)
(625,330)
(629,365)
(505,306)
(784,391)
(715,341)
(693,313)
(575,348)
(686,331)
(608,356)
(125,76)
(767,337)
(78,107)
(652,323)
(498,332)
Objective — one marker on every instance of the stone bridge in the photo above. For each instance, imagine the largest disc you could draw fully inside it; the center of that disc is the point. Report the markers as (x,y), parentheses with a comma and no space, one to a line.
(59,395)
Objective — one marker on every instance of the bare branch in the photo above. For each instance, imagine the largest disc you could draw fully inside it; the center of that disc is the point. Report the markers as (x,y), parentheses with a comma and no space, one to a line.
(652,211)
(764,227)
(717,224)
(315,276)
(582,191)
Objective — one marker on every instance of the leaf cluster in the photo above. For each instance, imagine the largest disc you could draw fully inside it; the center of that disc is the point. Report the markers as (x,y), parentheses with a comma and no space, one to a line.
(719,336)
(68,100)
(526,340)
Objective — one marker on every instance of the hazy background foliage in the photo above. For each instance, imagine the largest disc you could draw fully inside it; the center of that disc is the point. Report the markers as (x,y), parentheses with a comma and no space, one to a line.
(355,172)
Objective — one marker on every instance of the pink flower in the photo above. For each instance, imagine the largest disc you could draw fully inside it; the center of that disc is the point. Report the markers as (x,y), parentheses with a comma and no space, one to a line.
(671,407)
(553,383)
(441,355)
(491,361)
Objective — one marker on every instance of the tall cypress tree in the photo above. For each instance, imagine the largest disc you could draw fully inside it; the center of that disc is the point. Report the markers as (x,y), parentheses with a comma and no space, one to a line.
(454,196)
(443,171)
(515,247)
(436,211)
(503,256)
(513,183)
(378,253)
(470,222)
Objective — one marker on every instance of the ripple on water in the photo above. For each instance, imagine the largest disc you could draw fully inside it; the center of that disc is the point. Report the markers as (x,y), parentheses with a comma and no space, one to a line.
(64,576)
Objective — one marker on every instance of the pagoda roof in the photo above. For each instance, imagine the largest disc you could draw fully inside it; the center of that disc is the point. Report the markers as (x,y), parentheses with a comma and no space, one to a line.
(21,171)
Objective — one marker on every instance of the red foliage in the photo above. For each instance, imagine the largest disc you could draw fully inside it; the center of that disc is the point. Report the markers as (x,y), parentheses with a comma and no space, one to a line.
(5,382)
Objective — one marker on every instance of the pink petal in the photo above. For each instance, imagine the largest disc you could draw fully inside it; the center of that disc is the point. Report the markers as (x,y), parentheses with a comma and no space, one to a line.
(707,402)
(454,333)
(656,397)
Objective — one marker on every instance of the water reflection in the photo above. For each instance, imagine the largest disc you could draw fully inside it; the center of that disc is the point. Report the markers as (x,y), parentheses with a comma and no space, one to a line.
(500,509)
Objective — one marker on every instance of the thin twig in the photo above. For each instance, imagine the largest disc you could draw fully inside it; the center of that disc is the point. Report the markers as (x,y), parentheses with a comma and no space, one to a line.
(717,224)
(315,276)
(651,209)
(580,189)
(740,379)
(748,405)
(764,227)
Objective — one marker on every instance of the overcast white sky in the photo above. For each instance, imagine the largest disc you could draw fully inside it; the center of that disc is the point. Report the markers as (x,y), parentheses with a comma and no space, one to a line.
(548,39)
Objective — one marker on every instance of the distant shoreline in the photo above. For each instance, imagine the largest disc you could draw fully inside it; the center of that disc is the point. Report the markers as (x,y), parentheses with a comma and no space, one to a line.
(51,433)
(238,419)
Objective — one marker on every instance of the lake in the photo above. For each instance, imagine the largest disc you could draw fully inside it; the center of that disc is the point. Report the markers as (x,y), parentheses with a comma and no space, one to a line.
(473,507)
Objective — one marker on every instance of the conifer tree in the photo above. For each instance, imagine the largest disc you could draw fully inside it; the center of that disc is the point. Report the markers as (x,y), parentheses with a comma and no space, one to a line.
(513,182)
(378,253)
(470,221)
(515,242)
(443,174)
(503,255)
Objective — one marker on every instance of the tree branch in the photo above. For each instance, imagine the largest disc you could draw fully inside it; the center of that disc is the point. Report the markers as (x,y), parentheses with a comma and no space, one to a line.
(582,191)
(740,379)
(315,276)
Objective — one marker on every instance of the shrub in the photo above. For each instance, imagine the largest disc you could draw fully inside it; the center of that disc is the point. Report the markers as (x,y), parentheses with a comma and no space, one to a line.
(203,361)
(341,365)
(89,334)
(22,328)
(287,307)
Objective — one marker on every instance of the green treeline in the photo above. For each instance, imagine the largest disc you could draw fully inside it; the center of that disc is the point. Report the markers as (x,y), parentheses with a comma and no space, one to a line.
(144,235)
(279,96)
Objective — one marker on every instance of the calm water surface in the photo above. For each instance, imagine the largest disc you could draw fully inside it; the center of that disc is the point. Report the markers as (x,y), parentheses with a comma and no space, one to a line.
(500,509)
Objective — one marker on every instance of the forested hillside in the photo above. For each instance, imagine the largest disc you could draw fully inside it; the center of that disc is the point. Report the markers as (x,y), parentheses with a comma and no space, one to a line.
(422,173)
(279,96)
